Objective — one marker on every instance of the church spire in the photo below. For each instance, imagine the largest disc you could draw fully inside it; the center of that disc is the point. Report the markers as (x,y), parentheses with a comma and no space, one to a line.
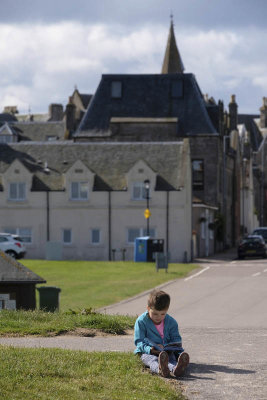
(172,60)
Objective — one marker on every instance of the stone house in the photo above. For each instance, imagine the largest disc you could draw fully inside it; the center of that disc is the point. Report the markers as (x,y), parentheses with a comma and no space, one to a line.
(167,107)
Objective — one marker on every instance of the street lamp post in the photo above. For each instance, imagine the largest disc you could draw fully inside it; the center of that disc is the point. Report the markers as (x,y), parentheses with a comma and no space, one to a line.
(243,194)
(147,212)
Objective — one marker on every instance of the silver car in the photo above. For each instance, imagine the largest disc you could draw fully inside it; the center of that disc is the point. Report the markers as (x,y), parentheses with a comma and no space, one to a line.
(12,245)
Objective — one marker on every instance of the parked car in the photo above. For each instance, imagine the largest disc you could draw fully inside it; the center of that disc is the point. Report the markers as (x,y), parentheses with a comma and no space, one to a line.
(12,245)
(252,246)
(262,230)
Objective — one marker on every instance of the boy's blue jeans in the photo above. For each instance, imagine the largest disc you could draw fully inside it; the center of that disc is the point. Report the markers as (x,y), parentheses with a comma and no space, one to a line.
(152,362)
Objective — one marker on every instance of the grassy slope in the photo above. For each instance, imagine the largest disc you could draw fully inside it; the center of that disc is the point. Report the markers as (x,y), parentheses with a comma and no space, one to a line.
(95,284)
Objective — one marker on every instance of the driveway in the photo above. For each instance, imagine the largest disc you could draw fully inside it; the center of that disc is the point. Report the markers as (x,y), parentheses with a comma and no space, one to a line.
(222,315)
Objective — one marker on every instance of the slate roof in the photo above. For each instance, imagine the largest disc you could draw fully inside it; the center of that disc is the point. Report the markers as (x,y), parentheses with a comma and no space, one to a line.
(109,161)
(255,135)
(86,98)
(148,96)
(11,271)
(39,131)
(6,117)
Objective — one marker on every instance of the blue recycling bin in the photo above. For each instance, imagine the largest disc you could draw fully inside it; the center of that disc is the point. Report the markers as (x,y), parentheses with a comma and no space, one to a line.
(140,249)
(145,248)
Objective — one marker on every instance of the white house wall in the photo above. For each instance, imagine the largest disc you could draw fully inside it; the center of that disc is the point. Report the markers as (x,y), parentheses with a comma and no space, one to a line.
(80,217)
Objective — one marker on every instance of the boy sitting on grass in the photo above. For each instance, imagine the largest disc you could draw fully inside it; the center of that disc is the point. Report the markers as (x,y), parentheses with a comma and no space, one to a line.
(157,338)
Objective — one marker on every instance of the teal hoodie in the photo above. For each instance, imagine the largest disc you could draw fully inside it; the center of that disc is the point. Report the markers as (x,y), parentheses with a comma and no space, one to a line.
(145,333)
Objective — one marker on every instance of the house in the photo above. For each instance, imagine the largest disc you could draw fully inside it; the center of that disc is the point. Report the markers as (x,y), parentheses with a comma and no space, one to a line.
(89,197)
(168,107)
(17,284)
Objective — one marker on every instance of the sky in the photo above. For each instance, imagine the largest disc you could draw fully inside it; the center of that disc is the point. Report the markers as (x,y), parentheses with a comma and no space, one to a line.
(50,47)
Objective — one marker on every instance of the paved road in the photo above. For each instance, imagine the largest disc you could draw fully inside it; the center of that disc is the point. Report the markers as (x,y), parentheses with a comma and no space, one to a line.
(222,314)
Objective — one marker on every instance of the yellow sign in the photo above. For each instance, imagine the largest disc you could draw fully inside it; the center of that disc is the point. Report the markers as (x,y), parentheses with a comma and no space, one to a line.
(147,213)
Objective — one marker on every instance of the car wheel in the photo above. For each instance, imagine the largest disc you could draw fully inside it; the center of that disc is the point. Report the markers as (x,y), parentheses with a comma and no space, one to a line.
(11,253)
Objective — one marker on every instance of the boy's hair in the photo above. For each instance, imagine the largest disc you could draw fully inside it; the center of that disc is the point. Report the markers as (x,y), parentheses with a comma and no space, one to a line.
(158,300)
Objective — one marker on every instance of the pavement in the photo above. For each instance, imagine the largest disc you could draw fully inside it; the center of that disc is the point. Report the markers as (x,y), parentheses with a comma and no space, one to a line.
(222,315)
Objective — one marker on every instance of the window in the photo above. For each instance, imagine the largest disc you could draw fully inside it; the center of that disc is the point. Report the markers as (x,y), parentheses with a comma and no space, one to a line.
(17,191)
(116,89)
(177,89)
(139,191)
(6,139)
(67,236)
(133,233)
(198,174)
(25,234)
(95,236)
(79,191)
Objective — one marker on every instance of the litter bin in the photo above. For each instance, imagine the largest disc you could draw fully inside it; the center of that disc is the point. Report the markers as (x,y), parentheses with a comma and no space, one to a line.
(49,298)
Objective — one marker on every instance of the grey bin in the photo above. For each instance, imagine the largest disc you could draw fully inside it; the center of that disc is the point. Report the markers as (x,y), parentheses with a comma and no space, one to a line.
(49,298)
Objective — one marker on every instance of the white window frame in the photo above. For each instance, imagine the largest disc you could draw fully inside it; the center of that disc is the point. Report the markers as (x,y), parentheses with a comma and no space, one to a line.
(99,238)
(63,233)
(79,196)
(142,191)
(18,186)
(19,232)
(142,233)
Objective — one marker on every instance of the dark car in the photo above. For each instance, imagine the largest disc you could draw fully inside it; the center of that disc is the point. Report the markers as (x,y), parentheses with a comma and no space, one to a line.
(252,246)
(261,230)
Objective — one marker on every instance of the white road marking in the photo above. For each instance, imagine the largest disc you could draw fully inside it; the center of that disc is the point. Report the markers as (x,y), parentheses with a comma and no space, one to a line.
(233,262)
(197,274)
(256,274)
(265,270)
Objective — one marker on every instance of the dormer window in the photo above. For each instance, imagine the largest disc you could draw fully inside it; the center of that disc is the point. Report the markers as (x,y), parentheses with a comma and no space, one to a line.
(17,191)
(138,191)
(79,191)
(116,89)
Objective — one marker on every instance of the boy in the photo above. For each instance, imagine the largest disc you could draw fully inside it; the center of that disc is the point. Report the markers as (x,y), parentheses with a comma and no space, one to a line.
(153,330)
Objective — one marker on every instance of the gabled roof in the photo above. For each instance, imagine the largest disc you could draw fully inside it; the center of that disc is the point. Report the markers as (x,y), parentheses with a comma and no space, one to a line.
(86,98)
(110,162)
(6,129)
(148,96)
(172,62)
(11,271)
(255,135)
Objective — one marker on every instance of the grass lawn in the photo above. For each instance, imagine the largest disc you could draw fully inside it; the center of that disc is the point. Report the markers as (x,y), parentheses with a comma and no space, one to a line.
(94,284)
(53,374)
(46,323)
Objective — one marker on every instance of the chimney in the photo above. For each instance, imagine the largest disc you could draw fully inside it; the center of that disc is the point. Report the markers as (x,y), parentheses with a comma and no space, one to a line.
(233,113)
(55,112)
(70,116)
(263,115)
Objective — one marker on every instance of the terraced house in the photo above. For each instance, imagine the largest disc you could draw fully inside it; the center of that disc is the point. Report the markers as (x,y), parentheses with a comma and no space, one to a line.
(89,197)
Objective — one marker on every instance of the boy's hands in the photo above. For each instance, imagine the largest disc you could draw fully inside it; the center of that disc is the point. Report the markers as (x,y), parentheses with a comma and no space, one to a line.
(154,352)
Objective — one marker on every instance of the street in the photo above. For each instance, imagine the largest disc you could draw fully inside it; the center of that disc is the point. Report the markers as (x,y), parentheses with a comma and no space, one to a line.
(222,315)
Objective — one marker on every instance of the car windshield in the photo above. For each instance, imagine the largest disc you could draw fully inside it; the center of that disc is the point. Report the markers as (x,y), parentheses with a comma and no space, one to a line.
(252,240)
(262,232)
